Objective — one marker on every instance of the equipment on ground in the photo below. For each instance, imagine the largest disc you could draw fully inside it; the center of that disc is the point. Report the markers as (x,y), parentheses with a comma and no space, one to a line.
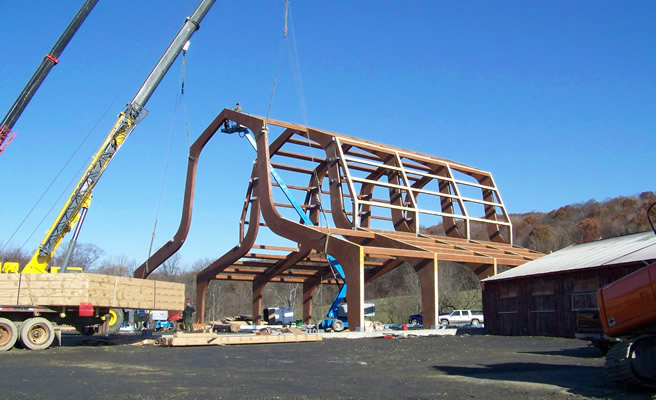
(49,61)
(627,310)
(39,332)
(279,315)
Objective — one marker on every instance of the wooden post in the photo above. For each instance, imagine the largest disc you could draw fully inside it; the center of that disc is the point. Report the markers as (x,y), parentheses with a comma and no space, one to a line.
(427,273)
(258,290)
(201,291)
(353,265)
(308,293)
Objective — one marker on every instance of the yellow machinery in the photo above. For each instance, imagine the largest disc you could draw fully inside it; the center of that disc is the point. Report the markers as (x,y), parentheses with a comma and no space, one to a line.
(32,324)
(77,204)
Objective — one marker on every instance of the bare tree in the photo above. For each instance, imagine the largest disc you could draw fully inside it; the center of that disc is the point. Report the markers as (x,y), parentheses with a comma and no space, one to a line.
(84,256)
(459,287)
(117,266)
(171,267)
(14,254)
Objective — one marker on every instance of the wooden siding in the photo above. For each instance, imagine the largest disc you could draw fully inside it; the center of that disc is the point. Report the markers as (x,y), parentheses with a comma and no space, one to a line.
(543,314)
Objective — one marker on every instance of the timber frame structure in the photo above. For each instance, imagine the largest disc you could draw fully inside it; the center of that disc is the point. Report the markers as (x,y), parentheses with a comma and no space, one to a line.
(376,195)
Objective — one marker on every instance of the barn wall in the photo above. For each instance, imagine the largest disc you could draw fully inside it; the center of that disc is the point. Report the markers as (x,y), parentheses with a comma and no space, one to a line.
(545,305)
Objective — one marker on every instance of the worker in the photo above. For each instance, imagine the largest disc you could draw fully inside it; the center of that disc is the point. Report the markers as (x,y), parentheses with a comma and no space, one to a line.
(187,317)
(226,124)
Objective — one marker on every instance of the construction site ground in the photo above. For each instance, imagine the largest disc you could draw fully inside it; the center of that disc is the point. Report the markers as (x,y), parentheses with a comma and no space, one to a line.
(403,367)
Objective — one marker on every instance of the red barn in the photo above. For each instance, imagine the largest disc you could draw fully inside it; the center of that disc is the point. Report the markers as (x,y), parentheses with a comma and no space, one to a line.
(542,296)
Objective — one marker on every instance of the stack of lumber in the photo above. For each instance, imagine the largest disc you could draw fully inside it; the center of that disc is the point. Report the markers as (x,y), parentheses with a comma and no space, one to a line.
(212,339)
(100,290)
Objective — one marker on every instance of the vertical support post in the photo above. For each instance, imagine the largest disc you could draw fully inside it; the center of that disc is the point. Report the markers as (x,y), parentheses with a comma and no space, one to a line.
(427,273)
(201,291)
(353,265)
(258,290)
(308,293)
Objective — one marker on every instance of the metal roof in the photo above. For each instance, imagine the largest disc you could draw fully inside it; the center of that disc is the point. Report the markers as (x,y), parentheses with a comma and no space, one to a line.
(619,250)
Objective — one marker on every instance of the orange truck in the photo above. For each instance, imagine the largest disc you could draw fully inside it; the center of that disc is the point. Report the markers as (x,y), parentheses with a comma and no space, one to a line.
(627,310)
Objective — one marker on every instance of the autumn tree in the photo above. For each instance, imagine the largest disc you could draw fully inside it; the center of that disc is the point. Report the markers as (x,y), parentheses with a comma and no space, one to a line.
(590,230)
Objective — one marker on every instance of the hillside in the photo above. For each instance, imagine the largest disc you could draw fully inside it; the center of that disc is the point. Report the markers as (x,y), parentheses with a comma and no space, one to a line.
(580,223)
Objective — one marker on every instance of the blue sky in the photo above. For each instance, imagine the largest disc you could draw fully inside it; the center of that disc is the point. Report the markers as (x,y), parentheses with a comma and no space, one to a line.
(556,99)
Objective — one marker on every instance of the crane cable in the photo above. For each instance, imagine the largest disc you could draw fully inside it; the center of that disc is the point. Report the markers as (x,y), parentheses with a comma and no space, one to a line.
(284,35)
(184,62)
(61,171)
(74,153)
(275,79)
(179,101)
(298,80)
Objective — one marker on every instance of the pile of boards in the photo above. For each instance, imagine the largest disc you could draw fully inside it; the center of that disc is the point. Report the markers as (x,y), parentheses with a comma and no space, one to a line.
(213,339)
(100,290)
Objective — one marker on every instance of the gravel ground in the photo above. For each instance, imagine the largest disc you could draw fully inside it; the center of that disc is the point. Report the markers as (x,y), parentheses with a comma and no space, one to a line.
(463,367)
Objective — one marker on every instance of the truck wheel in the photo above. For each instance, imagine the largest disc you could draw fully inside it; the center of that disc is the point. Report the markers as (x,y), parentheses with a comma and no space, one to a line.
(475,322)
(8,334)
(338,325)
(114,320)
(444,322)
(414,321)
(630,363)
(37,333)
(618,365)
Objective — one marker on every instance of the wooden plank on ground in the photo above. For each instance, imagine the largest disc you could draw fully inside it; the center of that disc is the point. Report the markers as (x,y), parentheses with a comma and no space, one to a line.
(208,339)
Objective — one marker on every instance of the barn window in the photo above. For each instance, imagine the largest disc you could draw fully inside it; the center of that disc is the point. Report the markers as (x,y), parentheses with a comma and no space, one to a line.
(584,293)
(507,299)
(543,299)
(585,285)
(542,289)
(509,292)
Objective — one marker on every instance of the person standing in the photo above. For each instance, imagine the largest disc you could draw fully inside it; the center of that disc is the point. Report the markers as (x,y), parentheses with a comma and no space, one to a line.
(187,317)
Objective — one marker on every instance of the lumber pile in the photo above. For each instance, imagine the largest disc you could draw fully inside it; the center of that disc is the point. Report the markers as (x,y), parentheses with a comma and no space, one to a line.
(212,339)
(99,290)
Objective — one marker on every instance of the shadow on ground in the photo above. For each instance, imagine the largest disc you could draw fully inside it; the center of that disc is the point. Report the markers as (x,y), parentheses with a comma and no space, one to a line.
(557,375)
(580,352)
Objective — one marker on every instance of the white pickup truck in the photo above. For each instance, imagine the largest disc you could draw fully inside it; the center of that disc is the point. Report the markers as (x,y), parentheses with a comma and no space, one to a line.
(458,317)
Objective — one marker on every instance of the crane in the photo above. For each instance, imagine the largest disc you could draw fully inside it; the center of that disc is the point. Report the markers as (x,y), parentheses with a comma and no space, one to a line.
(77,204)
(49,61)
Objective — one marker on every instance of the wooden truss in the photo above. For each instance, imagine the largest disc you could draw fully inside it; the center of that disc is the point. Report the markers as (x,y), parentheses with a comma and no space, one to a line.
(366,202)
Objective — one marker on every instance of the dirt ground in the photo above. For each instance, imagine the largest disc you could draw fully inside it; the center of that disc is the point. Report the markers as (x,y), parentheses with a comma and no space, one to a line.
(463,367)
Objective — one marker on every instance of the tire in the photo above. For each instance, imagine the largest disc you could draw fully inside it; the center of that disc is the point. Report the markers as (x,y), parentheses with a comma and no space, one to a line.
(114,319)
(8,334)
(414,321)
(618,366)
(338,325)
(475,321)
(37,333)
(444,322)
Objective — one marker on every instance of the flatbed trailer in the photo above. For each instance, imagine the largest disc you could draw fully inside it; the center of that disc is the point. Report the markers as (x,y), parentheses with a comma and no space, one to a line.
(31,304)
